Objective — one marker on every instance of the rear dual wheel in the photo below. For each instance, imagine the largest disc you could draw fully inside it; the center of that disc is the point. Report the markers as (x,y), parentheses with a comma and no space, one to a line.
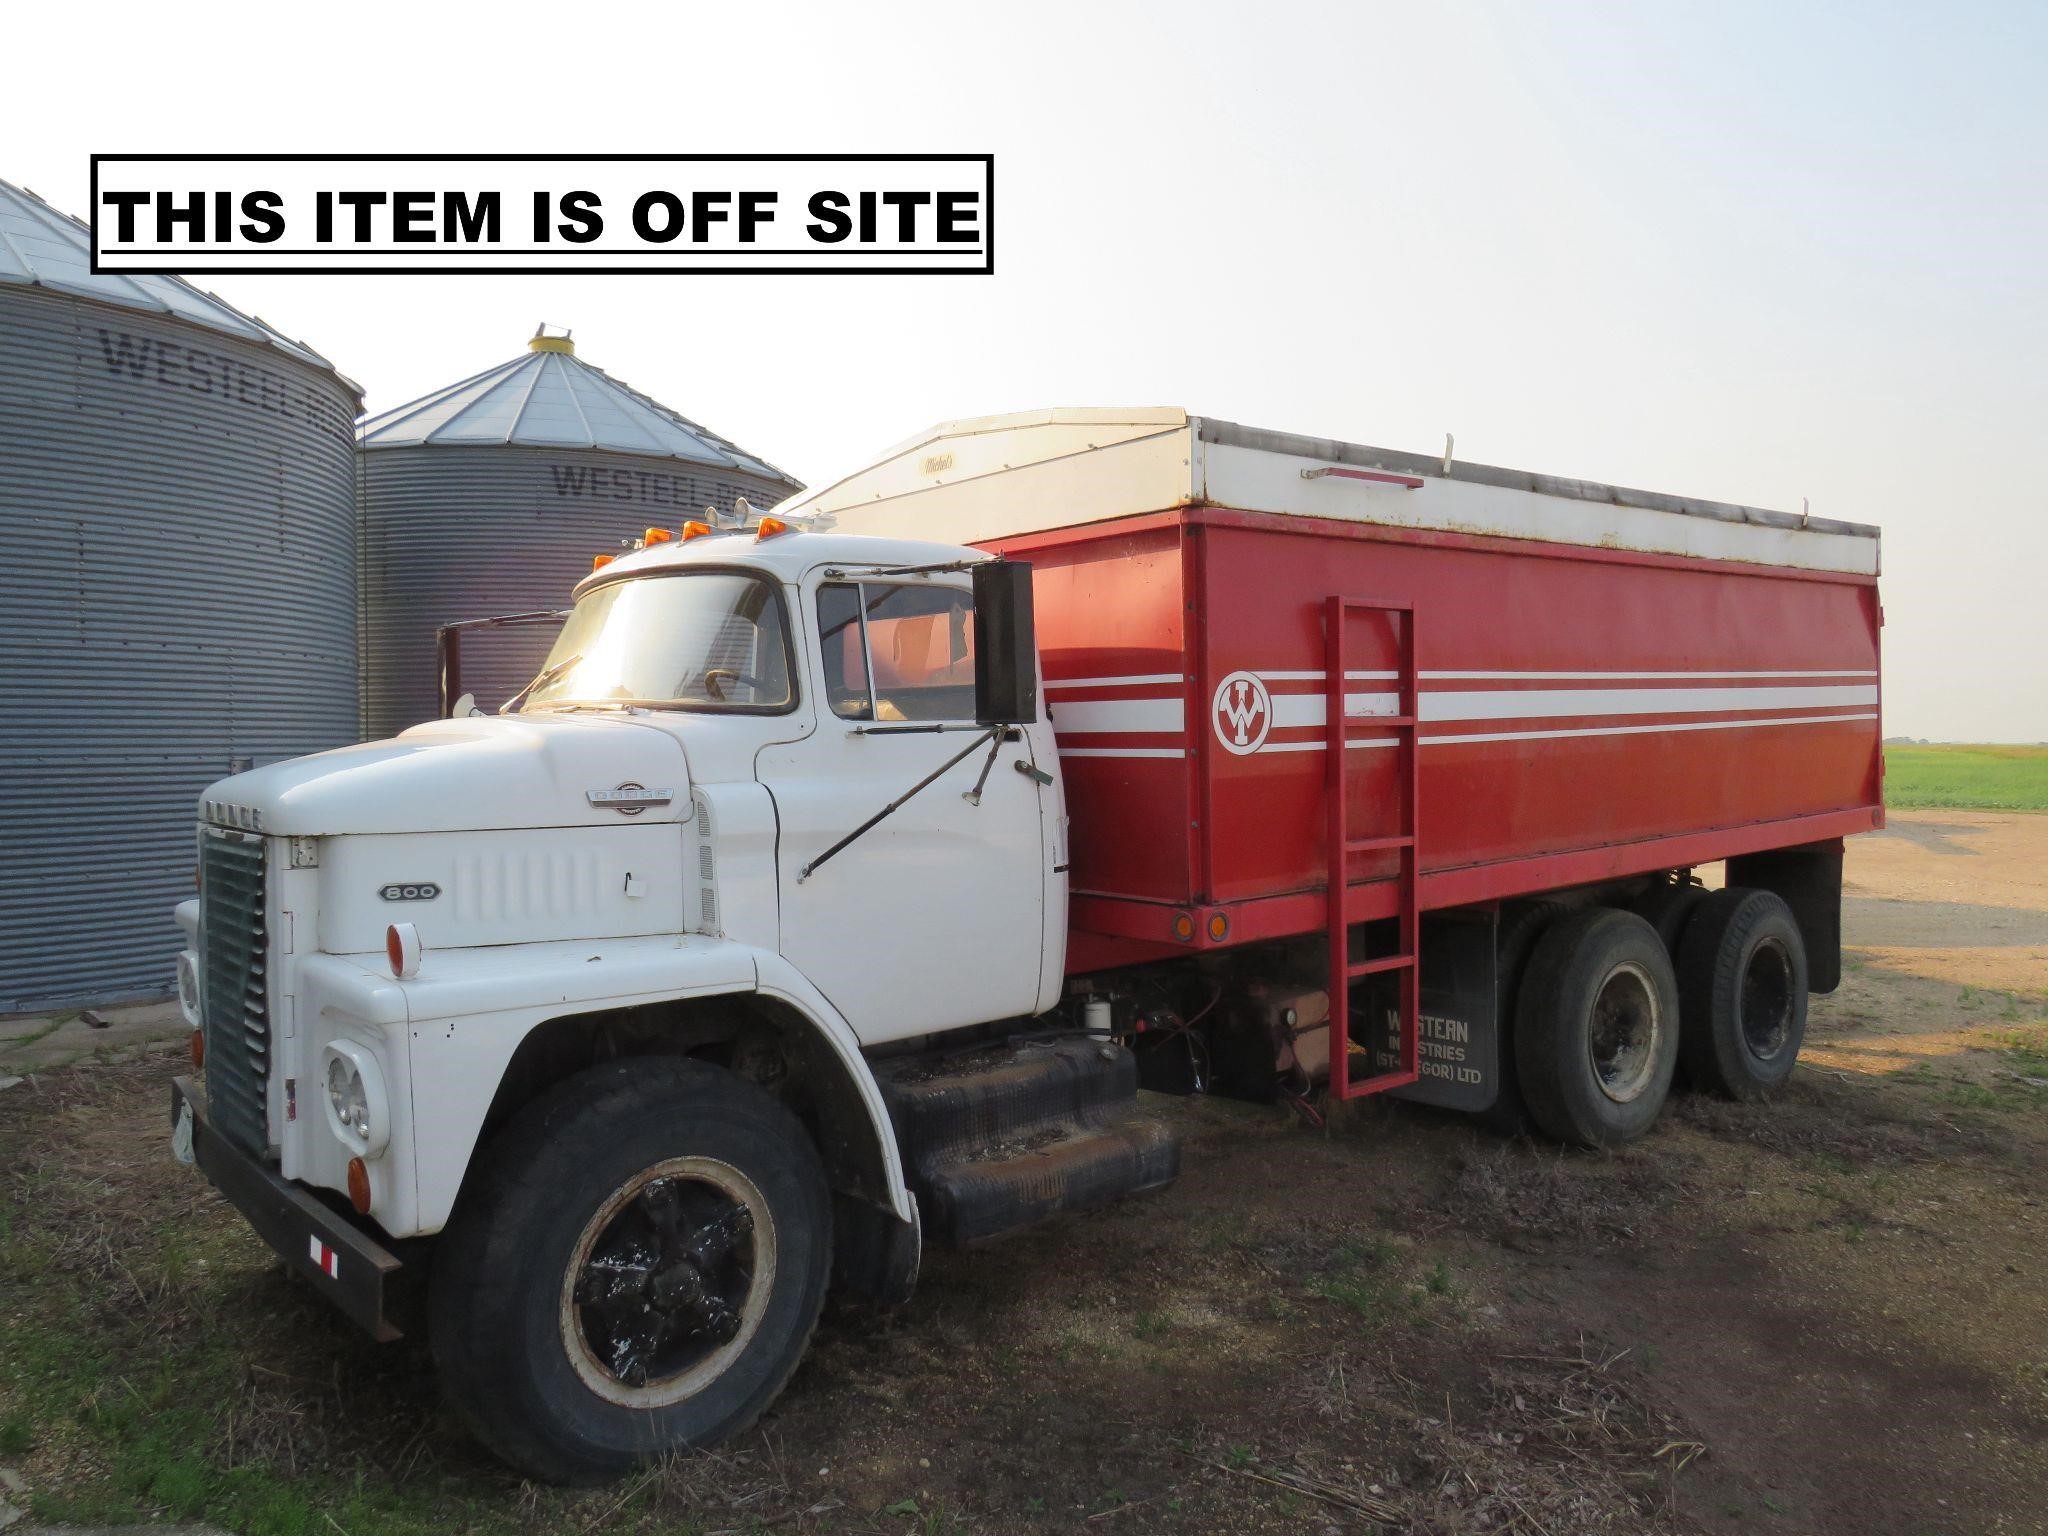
(1742,988)
(1596,1028)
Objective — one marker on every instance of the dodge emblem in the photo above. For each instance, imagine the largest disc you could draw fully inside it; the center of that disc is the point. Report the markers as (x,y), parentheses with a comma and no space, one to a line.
(629,799)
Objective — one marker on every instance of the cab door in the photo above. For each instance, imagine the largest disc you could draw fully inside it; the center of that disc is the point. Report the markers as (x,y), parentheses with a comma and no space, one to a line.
(935,917)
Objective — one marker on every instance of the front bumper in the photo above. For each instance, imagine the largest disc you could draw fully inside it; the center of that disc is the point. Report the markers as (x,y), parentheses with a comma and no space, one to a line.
(349,1267)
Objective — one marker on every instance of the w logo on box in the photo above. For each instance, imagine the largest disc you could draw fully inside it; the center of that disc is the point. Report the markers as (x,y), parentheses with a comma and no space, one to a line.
(1242,713)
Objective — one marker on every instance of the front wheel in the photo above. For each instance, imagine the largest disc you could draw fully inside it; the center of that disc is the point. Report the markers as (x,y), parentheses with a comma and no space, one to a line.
(636,1269)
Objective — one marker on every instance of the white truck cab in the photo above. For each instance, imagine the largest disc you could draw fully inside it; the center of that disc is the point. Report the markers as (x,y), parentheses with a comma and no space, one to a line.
(630,992)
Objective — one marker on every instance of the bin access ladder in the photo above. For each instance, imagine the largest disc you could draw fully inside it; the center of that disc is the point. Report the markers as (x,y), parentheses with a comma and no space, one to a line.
(1339,725)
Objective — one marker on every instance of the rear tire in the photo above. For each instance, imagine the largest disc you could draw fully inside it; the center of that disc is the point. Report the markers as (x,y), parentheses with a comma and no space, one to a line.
(636,1268)
(1596,1028)
(1520,927)
(1742,993)
(1669,909)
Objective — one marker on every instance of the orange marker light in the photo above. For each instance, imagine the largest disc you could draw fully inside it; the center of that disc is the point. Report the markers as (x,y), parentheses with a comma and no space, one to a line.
(198,1051)
(1219,927)
(656,536)
(359,1186)
(1183,927)
(599,562)
(695,530)
(770,526)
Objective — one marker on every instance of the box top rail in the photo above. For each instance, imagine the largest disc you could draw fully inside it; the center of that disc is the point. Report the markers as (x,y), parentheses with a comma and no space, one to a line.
(991,477)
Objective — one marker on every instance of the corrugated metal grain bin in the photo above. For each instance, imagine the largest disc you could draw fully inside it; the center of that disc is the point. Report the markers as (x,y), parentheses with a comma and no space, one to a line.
(177,594)
(490,497)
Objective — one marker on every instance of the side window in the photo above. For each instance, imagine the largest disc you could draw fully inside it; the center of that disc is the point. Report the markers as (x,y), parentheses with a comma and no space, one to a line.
(898,652)
(844,648)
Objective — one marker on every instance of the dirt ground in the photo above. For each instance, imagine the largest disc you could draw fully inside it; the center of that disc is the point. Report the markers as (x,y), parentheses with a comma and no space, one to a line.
(1826,1314)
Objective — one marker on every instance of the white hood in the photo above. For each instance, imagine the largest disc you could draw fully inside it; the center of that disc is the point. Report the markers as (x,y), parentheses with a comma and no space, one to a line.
(466,776)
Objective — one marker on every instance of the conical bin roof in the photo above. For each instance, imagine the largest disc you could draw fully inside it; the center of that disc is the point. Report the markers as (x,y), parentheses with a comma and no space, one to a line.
(43,248)
(550,398)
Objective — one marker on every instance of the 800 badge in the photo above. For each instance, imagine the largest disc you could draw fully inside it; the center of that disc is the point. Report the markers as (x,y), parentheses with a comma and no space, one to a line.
(410,890)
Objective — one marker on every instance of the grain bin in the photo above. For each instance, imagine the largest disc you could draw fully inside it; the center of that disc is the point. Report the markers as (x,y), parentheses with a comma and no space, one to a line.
(490,497)
(177,594)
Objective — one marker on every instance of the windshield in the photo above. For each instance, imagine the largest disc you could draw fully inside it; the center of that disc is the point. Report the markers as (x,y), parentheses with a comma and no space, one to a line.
(691,640)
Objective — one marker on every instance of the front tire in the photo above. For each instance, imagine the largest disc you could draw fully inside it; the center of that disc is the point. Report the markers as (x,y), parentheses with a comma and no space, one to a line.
(636,1268)
(1596,1028)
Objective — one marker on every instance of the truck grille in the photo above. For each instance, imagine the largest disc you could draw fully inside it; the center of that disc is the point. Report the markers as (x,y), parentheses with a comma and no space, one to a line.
(234,987)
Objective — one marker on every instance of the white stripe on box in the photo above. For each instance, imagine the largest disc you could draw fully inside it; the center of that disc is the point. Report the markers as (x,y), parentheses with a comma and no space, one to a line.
(1458,739)
(1299,710)
(1594,677)
(1095,717)
(1144,680)
(1122,752)
(1561,703)
(1640,730)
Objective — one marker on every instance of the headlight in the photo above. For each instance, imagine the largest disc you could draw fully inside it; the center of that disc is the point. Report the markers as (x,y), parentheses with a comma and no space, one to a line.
(357,1109)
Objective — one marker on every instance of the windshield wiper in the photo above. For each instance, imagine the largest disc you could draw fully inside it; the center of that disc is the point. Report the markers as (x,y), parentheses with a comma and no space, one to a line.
(544,676)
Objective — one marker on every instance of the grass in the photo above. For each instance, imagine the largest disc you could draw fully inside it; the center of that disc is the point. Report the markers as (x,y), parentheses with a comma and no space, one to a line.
(1984,778)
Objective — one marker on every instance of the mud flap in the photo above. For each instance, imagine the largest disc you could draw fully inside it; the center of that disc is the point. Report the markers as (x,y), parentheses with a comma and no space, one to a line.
(1460,1054)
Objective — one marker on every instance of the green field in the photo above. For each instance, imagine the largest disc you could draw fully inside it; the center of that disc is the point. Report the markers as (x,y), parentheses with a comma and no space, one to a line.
(1983,778)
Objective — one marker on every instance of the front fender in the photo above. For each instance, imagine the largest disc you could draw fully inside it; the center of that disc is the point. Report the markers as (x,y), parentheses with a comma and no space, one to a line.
(468,1010)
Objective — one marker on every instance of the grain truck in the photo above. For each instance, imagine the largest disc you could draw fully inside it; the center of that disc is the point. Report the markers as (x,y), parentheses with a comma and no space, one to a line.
(841,878)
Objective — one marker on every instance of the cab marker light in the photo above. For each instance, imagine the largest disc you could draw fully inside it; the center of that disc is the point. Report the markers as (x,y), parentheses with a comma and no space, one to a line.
(653,536)
(770,527)
(599,562)
(403,949)
(694,529)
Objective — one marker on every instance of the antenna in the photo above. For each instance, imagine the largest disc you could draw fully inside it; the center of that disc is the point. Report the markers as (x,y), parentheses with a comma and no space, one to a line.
(1448,442)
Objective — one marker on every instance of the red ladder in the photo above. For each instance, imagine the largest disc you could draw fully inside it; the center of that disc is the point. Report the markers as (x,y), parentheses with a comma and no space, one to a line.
(1338,737)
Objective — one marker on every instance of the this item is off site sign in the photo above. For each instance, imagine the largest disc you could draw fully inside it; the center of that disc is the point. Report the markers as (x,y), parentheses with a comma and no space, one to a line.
(545,213)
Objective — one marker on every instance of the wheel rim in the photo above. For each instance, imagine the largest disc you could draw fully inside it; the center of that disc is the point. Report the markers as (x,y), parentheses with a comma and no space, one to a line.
(1767,999)
(1621,1042)
(668,1282)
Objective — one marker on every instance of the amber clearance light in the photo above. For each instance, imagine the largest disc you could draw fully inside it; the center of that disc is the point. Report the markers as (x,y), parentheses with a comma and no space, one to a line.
(652,536)
(599,562)
(770,526)
(694,529)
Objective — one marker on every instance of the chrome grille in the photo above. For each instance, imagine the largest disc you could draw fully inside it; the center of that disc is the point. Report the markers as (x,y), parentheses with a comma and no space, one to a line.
(234,987)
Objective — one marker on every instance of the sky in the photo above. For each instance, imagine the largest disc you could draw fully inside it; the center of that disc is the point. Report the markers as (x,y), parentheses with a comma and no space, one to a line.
(1770,253)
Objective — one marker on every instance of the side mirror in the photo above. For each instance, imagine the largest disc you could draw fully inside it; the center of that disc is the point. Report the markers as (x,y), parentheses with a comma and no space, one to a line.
(1005,645)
